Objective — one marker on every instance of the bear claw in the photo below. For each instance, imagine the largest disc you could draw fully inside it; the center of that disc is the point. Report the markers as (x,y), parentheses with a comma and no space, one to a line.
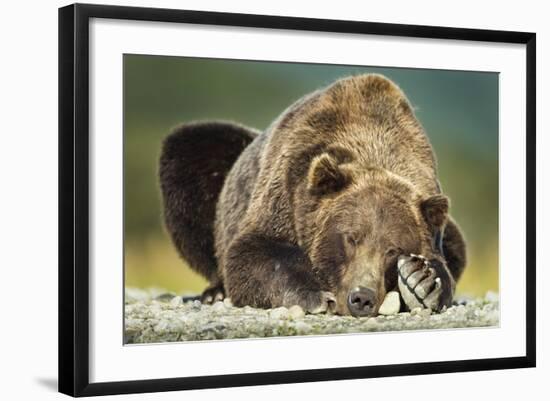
(328,303)
(212,295)
(315,302)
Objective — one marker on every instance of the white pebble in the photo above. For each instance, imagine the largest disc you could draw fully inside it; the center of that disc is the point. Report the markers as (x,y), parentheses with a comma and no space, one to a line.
(296,312)
(218,307)
(491,296)
(391,304)
(279,313)
(227,302)
(176,301)
(421,312)
(302,327)
(161,326)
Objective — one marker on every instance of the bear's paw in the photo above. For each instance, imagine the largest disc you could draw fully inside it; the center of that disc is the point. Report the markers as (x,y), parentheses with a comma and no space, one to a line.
(424,283)
(313,302)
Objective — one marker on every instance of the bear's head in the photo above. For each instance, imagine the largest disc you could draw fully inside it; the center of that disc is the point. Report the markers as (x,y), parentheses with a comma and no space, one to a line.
(359,221)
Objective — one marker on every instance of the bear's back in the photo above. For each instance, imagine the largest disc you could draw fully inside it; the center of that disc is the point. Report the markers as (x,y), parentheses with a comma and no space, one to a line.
(367,115)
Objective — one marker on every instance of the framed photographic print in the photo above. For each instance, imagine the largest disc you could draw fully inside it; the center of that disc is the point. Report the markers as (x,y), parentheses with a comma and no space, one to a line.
(251,199)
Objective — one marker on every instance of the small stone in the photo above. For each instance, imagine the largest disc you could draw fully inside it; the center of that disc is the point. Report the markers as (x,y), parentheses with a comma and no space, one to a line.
(155,307)
(421,312)
(391,304)
(279,313)
(164,297)
(302,327)
(218,307)
(132,295)
(176,301)
(404,314)
(161,326)
(227,302)
(415,311)
(296,312)
(491,296)
(460,301)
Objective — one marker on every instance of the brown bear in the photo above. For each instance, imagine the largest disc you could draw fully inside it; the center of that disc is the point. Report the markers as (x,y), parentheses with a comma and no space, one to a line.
(336,203)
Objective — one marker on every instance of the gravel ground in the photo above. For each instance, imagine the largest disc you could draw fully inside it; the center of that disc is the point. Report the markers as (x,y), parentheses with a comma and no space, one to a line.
(154,316)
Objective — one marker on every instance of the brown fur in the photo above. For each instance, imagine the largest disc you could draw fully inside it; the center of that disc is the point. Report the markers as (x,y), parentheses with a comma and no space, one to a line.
(328,196)
(190,198)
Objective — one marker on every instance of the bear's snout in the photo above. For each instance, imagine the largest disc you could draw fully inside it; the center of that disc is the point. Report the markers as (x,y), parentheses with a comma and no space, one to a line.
(362,302)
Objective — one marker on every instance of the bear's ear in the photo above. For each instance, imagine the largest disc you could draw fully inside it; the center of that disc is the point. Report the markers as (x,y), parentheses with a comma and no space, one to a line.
(326,176)
(435,209)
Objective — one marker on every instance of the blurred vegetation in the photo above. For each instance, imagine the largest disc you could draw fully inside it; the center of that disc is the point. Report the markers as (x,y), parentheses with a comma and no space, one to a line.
(459,111)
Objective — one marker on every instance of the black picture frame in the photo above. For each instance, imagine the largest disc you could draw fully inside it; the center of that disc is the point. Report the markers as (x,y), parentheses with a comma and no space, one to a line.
(74,198)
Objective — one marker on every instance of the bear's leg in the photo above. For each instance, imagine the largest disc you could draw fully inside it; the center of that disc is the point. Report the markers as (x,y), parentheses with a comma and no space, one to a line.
(267,273)
(454,249)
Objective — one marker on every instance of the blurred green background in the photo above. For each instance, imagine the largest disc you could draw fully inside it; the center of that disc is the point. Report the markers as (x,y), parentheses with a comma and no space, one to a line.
(459,111)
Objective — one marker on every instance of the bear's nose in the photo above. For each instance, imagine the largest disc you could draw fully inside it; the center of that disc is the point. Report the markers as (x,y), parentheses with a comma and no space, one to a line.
(362,302)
